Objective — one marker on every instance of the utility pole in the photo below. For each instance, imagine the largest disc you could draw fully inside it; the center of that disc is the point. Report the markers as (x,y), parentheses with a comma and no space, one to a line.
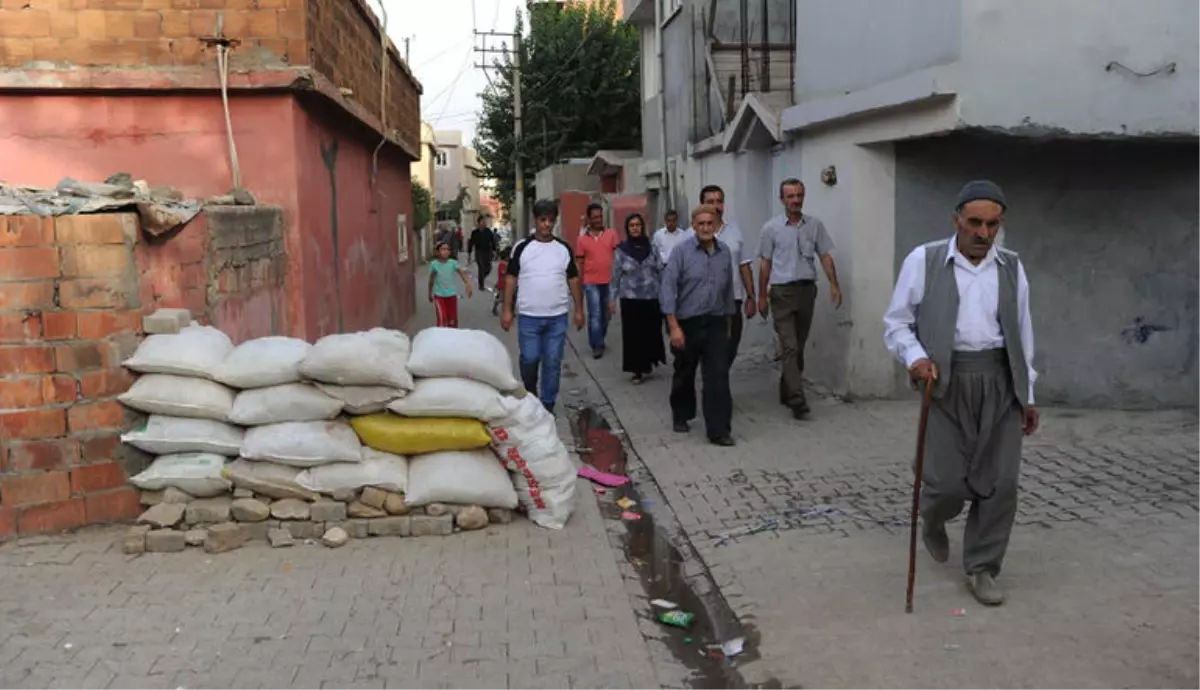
(518,210)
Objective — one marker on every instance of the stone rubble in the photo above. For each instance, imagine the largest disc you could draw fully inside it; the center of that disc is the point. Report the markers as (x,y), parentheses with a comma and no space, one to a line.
(174,520)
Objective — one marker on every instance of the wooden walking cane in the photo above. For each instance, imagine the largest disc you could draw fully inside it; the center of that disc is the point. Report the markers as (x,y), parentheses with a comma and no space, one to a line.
(918,472)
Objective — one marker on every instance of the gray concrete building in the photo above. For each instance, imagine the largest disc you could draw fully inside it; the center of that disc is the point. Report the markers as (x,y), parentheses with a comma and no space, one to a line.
(1085,111)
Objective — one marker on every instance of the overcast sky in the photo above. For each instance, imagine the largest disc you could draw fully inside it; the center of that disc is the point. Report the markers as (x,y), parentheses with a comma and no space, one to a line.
(440,52)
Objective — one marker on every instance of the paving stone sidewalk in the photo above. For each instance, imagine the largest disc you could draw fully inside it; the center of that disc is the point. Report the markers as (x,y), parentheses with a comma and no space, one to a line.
(512,606)
(804,528)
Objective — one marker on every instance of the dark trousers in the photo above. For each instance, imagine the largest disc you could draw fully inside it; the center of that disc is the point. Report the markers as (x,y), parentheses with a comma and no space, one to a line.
(792,304)
(705,345)
(484,264)
(735,332)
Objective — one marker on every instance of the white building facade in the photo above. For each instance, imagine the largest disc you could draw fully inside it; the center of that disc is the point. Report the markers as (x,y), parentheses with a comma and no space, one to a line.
(1085,111)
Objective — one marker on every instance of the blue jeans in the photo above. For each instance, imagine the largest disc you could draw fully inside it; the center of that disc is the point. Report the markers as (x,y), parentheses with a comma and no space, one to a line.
(541,340)
(597,315)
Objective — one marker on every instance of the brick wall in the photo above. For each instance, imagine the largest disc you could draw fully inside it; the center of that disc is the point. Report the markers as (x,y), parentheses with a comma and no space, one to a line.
(136,33)
(338,38)
(68,317)
(73,290)
(344,35)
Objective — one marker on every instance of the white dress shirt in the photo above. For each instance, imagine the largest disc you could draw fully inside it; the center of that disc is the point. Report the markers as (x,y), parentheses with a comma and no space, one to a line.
(664,241)
(978,324)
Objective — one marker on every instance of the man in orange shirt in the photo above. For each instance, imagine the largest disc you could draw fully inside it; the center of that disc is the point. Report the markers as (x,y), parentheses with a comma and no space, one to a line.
(594,256)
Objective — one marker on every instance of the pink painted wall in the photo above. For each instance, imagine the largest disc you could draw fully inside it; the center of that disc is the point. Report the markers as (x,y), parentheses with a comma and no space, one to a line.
(180,140)
(370,287)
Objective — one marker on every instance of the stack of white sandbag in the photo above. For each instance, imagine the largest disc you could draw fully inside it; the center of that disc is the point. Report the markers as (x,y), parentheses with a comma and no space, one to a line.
(463,373)
(276,402)
(187,428)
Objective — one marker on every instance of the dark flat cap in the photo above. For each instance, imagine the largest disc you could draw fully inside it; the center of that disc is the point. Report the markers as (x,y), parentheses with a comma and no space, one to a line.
(981,190)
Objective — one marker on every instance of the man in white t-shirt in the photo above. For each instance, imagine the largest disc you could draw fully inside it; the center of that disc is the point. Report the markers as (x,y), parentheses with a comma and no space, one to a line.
(543,276)
(667,237)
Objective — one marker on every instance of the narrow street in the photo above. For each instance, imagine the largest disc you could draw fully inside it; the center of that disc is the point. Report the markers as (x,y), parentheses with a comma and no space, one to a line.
(803,527)
(509,606)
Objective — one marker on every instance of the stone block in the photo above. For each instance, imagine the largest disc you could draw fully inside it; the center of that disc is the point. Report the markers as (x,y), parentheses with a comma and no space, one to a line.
(304,529)
(257,531)
(195,537)
(345,495)
(173,495)
(209,511)
(335,537)
(223,537)
(151,498)
(290,509)
(328,511)
(243,493)
(134,542)
(500,516)
(360,529)
(472,518)
(249,510)
(362,510)
(396,526)
(162,515)
(166,321)
(279,537)
(165,541)
(394,504)
(437,509)
(428,525)
(373,497)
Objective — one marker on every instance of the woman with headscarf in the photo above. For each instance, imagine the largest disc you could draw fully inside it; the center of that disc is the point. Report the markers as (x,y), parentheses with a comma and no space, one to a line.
(635,276)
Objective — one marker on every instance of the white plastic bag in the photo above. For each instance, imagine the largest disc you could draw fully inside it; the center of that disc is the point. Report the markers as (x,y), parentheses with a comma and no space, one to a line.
(383,470)
(527,441)
(198,474)
(262,362)
(463,353)
(358,400)
(194,351)
(303,444)
(451,397)
(268,479)
(472,477)
(290,402)
(378,357)
(179,396)
(163,435)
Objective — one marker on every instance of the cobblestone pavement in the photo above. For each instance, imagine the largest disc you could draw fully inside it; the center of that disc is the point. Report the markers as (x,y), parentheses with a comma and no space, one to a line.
(511,606)
(804,528)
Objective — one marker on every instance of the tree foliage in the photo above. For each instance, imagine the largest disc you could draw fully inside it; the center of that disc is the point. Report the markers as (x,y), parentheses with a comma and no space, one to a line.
(422,203)
(580,92)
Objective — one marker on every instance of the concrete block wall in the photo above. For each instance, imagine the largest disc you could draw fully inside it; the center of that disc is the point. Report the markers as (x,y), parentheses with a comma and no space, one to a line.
(73,291)
(69,315)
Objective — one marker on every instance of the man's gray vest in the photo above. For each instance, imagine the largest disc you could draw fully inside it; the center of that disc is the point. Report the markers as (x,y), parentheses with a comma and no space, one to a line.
(937,316)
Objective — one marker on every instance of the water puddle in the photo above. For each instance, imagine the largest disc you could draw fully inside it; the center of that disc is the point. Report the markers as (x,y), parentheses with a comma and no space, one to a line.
(665,571)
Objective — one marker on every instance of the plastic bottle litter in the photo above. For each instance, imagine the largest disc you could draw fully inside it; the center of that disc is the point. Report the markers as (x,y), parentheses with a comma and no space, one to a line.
(679,619)
(629,515)
(663,604)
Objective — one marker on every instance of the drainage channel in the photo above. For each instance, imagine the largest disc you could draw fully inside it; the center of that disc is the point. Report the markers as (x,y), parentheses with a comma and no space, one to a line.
(665,562)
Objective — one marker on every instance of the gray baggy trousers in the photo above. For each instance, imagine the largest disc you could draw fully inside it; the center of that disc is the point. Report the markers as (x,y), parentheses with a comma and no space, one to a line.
(973,453)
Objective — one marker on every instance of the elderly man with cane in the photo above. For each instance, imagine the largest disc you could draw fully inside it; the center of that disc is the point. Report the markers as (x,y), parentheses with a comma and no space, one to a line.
(959,322)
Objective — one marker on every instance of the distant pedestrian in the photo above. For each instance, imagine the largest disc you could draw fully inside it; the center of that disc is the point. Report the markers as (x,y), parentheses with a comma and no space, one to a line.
(636,275)
(594,252)
(959,321)
(789,249)
(697,299)
(483,244)
(668,236)
(729,234)
(543,280)
(442,290)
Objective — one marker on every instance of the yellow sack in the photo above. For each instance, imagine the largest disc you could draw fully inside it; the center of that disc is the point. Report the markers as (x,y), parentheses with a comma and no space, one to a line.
(415,435)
